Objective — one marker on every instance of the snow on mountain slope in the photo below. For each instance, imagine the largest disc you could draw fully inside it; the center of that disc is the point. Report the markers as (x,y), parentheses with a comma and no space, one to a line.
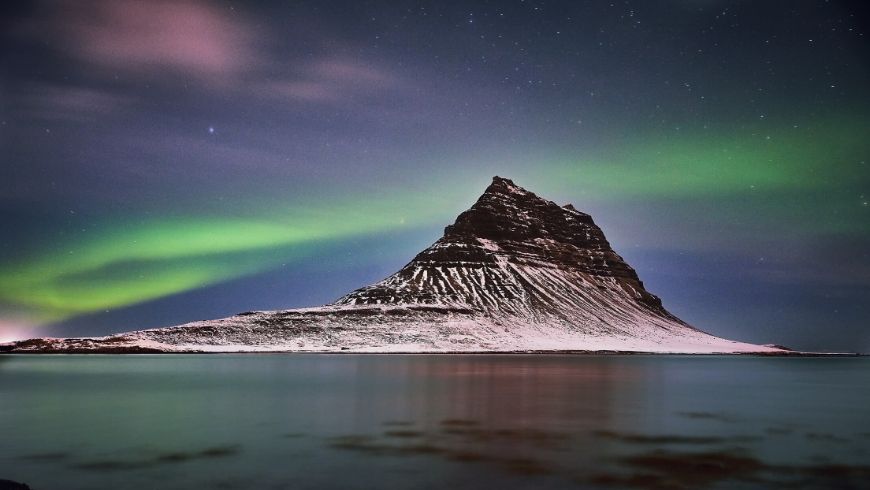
(515,272)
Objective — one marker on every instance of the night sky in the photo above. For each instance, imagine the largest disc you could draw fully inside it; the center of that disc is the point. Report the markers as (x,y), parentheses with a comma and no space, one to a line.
(168,161)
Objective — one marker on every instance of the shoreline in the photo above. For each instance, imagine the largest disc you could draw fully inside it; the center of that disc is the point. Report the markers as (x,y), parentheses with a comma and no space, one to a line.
(590,353)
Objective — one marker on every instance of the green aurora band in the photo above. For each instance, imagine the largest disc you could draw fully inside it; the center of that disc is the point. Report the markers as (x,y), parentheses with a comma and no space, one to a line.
(131,261)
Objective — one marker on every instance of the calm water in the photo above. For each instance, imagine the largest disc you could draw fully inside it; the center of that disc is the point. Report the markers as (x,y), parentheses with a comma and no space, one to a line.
(479,421)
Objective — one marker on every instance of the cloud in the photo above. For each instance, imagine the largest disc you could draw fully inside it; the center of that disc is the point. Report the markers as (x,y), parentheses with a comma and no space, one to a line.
(68,103)
(185,37)
(219,48)
(330,80)
(313,91)
(351,72)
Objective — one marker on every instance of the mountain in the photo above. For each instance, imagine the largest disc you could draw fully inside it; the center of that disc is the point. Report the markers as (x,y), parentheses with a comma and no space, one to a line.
(515,272)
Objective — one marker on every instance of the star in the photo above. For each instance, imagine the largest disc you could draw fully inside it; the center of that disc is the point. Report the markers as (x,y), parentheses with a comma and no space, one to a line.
(211,130)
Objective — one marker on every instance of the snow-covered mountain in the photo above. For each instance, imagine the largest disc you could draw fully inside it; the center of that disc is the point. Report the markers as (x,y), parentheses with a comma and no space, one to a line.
(514,273)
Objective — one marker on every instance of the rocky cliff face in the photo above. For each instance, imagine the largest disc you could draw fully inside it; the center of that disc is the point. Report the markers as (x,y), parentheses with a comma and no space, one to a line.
(478,262)
(515,272)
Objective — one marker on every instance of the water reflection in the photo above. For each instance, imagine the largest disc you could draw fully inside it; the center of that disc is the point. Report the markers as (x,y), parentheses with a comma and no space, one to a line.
(278,421)
(158,459)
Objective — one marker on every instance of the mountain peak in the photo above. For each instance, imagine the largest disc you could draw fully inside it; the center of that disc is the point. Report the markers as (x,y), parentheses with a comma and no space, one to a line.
(510,225)
(501,186)
(508,211)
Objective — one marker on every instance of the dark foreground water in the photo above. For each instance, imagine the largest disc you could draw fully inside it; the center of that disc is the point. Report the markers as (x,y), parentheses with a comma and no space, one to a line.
(419,421)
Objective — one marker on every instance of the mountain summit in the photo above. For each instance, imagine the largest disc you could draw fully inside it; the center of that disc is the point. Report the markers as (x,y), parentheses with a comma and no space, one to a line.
(511,252)
(515,272)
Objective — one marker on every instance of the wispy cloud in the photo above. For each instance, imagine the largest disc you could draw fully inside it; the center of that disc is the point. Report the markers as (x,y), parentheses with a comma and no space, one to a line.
(351,72)
(330,80)
(186,37)
(218,48)
(311,91)
(54,102)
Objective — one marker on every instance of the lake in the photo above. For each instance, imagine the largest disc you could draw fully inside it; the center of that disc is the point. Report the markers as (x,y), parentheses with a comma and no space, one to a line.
(300,421)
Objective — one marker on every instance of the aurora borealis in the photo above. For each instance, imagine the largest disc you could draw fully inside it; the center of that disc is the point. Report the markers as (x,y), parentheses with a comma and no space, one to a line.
(165,161)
